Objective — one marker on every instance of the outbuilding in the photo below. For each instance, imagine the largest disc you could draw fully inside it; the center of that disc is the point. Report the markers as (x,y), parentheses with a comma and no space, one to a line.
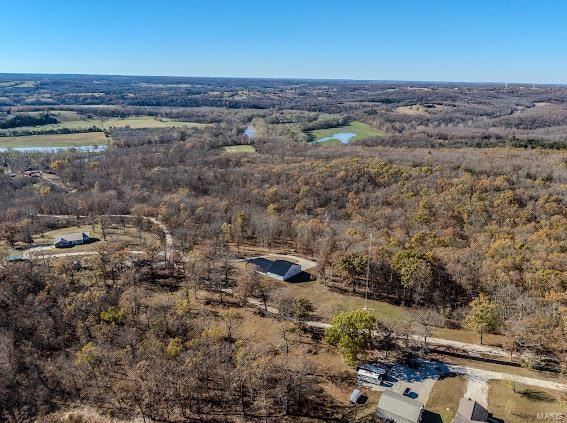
(358,397)
(282,270)
(398,408)
(68,240)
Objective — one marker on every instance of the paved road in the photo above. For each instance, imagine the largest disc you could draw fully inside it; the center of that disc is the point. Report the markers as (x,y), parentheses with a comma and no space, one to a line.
(477,390)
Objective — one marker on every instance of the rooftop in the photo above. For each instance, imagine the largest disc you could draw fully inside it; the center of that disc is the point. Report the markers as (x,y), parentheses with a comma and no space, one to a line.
(75,236)
(280,267)
(261,263)
(277,267)
(399,405)
(472,410)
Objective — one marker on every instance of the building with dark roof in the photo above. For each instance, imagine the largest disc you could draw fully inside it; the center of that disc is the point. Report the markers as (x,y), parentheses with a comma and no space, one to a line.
(358,397)
(68,240)
(262,264)
(470,411)
(282,270)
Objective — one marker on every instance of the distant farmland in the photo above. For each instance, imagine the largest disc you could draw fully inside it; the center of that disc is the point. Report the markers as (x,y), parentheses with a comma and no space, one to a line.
(81,125)
(361,130)
(239,149)
(148,122)
(59,140)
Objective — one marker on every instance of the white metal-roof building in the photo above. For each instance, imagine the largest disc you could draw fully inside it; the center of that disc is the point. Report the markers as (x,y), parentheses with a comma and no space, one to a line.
(397,408)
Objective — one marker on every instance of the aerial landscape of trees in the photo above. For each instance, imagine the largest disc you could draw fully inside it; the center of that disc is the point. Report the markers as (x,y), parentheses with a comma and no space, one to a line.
(454,215)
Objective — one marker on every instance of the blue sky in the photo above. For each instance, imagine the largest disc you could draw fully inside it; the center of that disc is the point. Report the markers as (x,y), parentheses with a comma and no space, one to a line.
(458,40)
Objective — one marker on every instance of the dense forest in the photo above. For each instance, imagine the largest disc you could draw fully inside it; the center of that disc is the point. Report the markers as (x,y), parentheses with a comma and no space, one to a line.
(451,203)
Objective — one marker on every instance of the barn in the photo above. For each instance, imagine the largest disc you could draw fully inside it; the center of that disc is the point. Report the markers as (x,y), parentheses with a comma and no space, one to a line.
(282,270)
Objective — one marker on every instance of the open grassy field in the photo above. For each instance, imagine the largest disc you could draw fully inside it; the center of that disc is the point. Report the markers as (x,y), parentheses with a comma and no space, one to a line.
(469,337)
(525,404)
(327,303)
(71,125)
(445,397)
(73,121)
(130,235)
(59,140)
(148,122)
(239,149)
(361,130)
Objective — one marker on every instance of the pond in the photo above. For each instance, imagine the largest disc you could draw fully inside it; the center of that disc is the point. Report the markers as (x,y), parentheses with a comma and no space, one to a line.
(84,148)
(250,132)
(343,137)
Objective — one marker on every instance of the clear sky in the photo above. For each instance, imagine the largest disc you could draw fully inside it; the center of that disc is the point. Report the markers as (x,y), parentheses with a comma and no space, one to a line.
(442,40)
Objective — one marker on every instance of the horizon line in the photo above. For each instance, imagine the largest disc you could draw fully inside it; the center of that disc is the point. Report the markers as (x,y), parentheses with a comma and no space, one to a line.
(275,78)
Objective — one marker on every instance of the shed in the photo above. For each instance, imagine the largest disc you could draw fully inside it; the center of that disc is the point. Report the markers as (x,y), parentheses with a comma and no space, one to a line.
(15,258)
(398,408)
(358,397)
(470,411)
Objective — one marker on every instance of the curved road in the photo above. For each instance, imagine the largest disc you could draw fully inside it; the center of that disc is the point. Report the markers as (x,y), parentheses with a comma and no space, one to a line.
(36,252)
(473,350)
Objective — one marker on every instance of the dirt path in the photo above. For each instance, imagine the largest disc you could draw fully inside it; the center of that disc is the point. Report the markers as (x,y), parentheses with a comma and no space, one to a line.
(36,253)
(474,350)
(478,378)
(477,390)
(486,375)
(168,250)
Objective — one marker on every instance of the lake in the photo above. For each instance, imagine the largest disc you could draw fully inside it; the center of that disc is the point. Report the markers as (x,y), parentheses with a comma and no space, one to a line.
(250,132)
(343,137)
(84,148)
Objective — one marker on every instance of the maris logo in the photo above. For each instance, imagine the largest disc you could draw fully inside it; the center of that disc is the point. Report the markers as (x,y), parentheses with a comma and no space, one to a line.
(557,417)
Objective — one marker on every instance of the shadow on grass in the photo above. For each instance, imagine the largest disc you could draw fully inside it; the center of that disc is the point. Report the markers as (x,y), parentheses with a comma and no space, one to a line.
(301,277)
(535,395)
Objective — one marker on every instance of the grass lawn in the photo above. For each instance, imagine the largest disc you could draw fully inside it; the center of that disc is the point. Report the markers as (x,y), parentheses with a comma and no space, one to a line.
(239,149)
(361,130)
(60,140)
(469,337)
(445,397)
(524,404)
(327,303)
(134,239)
